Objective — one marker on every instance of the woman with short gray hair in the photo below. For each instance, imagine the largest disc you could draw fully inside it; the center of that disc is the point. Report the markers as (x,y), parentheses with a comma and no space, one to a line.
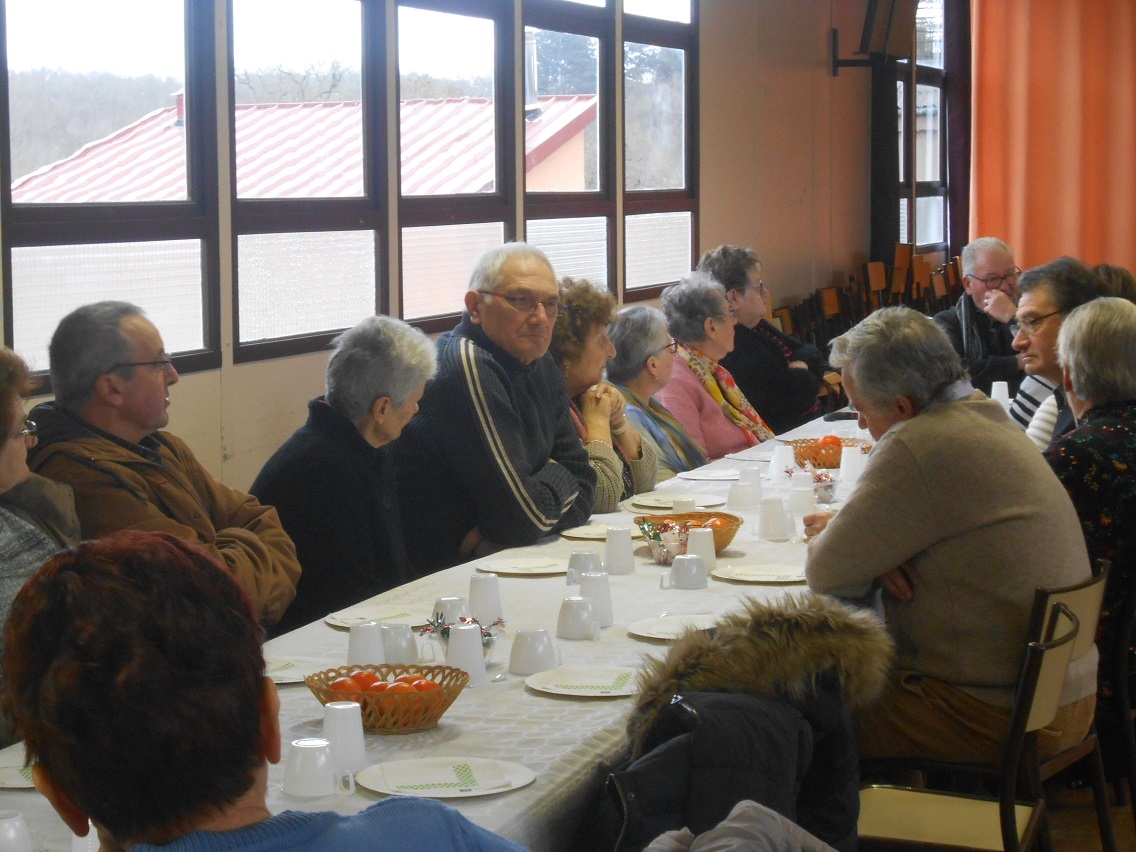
(1094,461)
(643,362)
(333,482)
(702,394)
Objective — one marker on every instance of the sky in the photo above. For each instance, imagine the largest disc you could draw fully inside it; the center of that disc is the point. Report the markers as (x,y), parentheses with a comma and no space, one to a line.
(137,37)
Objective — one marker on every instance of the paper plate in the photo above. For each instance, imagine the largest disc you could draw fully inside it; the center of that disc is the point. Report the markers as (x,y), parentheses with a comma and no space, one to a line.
(585,680)
(523,566)
(382,613)
(708,475)
(13,774)
(594,532)
(445,777)
(775,574)
(291,669)
(642,503)
(670,626)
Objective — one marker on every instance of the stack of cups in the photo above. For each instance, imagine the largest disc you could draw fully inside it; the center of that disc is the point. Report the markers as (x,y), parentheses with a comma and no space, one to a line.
(773,521)
(485,598)
(750,475)
(465,651)
(619,558)
(852,463)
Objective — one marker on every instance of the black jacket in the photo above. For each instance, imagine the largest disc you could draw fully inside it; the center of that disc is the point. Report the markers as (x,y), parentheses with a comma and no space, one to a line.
(337,499)
(784,396)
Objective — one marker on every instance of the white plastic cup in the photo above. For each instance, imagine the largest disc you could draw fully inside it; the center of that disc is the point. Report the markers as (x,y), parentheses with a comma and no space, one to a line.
(683,503)
(771,520)
(533,651)
(701,543)
(582,562)
(343,728)
(852,463)
(782,460)
(742,497)
(465,651)
(686,572)
(485,598)
(750,474)
(365,645)
(452,608)
(399,644)
(14,835)
(619,557)
(1000,392)
(595,586)
(802,501)
(310,771)
(577,619)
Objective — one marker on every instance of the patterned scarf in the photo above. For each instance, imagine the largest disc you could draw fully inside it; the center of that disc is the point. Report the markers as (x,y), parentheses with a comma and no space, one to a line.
(718,382)
(680,451)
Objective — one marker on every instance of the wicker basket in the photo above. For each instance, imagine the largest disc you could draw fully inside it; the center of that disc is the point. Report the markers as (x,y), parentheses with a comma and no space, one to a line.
(397,712)
(666,534)
(807,451)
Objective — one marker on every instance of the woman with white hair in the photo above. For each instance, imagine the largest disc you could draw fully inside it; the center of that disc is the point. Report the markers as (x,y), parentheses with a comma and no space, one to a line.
(644,359)
(333,483)
(702,394)
(1096,348)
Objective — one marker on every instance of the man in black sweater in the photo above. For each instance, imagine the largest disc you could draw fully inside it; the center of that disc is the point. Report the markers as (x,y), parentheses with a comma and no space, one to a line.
(492,459)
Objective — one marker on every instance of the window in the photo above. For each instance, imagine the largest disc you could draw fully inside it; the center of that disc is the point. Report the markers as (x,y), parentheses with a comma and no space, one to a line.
(111,144)
(329,202)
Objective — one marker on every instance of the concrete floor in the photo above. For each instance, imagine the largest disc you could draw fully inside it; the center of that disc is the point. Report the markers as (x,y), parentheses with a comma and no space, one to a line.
(1073,821)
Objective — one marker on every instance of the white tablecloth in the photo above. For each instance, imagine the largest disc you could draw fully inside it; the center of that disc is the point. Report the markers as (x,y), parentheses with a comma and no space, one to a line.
(570,743)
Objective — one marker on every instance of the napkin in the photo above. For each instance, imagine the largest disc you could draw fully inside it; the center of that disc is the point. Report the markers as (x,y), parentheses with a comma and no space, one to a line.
(444,773)
(592,679)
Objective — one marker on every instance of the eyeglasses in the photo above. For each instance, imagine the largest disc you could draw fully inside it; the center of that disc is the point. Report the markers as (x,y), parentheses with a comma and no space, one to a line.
(996,281)
(758,285)
(28,433)
(671,347)
(1029,327)
(165,363)
(526,304)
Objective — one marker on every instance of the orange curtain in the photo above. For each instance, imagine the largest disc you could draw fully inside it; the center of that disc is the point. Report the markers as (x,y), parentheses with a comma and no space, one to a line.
(1054,124)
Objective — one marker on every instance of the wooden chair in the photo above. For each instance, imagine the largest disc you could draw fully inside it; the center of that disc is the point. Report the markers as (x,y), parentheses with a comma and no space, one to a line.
(905,818)
(954,277)
(876,273)
(783,318)
(1118,705)
(900,291)
(1083,600)
(921,283)
(940,294)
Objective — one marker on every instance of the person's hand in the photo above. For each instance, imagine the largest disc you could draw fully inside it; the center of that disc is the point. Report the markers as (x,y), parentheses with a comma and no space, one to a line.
(618,405)
(595,402)
(816,522)
(898,583)
(798,365)
(999,305)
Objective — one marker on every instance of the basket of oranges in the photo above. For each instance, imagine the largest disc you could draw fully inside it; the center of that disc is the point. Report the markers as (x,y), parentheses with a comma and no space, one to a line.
(395,699)
(666,535)
(825,452)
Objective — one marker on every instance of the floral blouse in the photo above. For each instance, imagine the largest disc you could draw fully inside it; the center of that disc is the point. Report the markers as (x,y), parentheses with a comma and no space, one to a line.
(1096,462)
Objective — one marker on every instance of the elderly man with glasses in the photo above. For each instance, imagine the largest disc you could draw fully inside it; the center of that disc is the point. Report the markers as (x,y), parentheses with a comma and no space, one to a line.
(103,436)
(492,459)
(978,325)
(780,376)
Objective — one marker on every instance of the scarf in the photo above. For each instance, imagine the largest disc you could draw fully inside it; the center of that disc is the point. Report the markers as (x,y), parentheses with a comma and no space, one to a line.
(582,431)
(972,342)
(722,388)
(680,452)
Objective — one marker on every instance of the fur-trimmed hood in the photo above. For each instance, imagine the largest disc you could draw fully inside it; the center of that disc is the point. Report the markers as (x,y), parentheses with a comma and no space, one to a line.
(770,648)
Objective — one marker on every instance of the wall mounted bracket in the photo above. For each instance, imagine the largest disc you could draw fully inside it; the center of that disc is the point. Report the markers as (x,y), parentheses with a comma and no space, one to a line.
(838,63)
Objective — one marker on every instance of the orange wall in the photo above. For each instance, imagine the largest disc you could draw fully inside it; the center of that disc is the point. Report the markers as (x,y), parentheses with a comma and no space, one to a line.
(784,144)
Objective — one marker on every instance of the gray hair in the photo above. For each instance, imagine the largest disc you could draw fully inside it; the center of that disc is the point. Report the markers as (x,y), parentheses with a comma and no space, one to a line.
(896,352)
(696,298)
(1097,345)
(970,251)
(486,273)
(86,344)
(1067,281)
(637,334)
(380,356)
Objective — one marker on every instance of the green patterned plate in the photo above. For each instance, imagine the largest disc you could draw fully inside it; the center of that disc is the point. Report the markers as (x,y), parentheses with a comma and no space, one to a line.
(589,681)
(445,777)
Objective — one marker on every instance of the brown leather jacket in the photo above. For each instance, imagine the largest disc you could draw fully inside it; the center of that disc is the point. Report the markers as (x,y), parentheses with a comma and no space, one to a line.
(118,489)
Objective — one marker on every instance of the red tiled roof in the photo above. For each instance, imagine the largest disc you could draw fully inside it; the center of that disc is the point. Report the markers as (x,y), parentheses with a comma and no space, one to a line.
(309,150)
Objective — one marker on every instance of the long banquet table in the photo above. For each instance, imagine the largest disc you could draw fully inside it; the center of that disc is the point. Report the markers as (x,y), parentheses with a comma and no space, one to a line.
(571,743)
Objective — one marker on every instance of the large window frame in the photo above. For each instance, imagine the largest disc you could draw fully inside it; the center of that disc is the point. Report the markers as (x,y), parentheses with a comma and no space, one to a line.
(196,218)
(218,222)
